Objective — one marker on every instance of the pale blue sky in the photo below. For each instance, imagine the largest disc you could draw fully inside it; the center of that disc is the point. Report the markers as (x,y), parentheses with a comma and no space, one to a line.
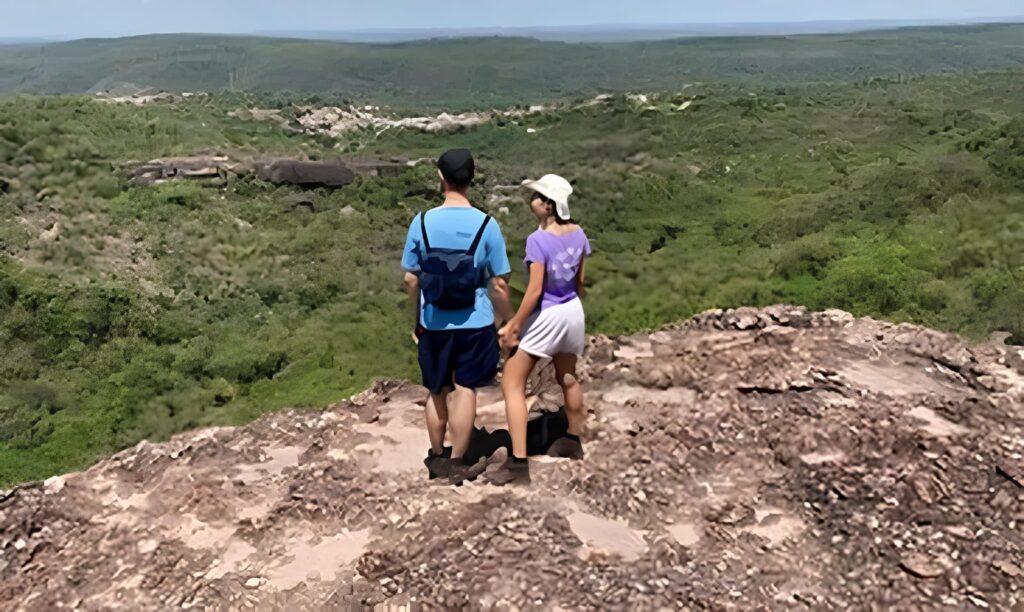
(32,18)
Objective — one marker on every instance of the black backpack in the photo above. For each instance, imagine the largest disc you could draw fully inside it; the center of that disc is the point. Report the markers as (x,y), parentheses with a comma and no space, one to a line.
(543,431)
(449,278)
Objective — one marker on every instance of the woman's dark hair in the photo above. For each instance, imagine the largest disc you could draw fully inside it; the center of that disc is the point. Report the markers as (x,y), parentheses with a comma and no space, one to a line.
(554,208)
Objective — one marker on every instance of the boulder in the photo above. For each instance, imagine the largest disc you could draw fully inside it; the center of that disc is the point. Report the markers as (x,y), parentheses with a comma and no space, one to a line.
(306,173)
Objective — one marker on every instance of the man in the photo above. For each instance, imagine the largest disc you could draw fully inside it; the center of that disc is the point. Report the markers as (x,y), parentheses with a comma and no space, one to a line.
(453,254)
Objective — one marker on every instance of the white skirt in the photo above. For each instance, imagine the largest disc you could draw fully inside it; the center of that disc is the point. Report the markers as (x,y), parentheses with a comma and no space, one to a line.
(554,330)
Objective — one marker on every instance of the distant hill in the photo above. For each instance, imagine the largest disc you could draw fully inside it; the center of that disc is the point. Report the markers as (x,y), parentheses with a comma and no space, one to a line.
(628,33)
(493,71)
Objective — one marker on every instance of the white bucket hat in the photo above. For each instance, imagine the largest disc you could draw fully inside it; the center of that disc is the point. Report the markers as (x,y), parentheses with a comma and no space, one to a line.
(554,188)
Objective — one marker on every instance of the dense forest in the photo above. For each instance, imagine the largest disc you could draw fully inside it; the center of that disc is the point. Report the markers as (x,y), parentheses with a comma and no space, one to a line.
(133,312)
(486,72)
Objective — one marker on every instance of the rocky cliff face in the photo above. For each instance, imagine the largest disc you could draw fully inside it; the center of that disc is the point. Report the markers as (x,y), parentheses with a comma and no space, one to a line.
(746,459)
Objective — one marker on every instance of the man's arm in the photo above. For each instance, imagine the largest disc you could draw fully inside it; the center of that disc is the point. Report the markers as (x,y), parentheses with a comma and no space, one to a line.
(501,299)
(411,264)
(412,289)
(497,260)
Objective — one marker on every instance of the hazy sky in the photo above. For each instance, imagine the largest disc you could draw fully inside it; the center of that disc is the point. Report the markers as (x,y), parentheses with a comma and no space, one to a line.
(32,18)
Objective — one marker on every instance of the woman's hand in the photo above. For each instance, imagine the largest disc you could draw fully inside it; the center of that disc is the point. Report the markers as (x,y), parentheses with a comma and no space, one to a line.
(508,335)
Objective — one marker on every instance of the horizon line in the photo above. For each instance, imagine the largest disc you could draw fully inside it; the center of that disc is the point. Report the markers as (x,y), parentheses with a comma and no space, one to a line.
(594,28)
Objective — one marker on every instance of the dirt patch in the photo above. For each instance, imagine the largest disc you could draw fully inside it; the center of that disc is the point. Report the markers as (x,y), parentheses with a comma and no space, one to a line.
(890,379)
(607,537)
(322,560)
(278,460)
(232,560)
(389,445)
(685,534)
(818,458)
(775,525)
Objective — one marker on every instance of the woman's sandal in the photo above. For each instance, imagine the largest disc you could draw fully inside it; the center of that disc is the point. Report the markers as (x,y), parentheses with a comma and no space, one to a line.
(566,448)
(511,472)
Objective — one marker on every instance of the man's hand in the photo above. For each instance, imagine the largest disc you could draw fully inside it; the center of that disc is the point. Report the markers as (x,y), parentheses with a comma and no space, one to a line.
(501,299)
(416,333)
(508,336)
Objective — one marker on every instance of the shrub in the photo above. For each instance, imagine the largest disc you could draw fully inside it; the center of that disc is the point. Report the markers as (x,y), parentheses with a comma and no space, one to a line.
(874,281)
(807,255)
(247,362)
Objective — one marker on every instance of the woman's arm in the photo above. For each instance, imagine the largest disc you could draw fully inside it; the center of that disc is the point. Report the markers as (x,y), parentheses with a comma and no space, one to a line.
(531,299)
(581,289)
(534,291)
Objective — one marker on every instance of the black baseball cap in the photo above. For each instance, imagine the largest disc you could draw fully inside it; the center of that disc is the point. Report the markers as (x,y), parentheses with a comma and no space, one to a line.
(457,166)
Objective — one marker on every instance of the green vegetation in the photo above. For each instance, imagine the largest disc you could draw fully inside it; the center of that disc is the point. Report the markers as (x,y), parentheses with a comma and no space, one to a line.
(135,312)
(486,72)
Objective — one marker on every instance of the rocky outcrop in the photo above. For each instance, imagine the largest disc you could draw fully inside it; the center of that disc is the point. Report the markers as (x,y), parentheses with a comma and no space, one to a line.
(336,121)
(214,168)
(141,96)
(746,459)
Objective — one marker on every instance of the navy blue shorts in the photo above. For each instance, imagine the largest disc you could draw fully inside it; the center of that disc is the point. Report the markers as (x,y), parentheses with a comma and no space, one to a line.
(466,357)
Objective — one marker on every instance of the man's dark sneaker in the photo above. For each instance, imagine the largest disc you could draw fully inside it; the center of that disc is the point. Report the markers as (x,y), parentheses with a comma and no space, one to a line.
(462,471)
(512,472)
(438,466)
(568,447)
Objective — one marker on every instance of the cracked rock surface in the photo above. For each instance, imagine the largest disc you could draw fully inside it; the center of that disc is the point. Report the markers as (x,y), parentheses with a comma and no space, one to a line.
(747,459)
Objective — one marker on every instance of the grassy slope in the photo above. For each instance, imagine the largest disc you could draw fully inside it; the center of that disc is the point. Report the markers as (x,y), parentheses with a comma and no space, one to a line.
(902,201)
(164,308)
(497,71)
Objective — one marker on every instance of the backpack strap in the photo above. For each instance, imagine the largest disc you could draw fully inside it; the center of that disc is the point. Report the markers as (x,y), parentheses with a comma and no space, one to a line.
(423,230)
(479,235)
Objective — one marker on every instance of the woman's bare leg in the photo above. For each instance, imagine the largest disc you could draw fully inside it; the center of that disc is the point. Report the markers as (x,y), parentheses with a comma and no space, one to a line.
(572,391)
(513,386)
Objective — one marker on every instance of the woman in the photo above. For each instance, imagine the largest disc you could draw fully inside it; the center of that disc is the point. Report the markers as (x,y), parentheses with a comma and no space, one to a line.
(549,324)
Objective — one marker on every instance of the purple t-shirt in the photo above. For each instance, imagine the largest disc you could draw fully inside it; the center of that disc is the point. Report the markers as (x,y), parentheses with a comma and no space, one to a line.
(562,257)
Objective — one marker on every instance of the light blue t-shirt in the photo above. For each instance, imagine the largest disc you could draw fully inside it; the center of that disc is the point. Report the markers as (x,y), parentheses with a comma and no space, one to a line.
(454,227)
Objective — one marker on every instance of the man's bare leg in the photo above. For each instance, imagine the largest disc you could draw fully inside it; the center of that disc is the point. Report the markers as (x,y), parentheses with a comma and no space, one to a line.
(461,419)
(436,413)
